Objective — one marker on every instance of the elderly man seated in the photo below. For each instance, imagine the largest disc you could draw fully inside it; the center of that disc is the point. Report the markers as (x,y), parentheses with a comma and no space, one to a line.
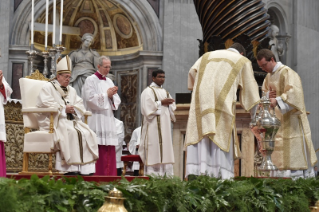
(75,142)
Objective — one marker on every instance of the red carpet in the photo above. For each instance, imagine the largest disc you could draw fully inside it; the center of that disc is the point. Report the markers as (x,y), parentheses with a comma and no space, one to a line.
(94,178)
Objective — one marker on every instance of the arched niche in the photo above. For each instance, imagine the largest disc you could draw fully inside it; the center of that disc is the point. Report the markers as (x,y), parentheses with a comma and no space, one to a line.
(136,15)
(279,18)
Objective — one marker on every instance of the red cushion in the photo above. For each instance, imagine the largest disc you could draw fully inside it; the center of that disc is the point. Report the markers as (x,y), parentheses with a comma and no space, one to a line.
(131,158)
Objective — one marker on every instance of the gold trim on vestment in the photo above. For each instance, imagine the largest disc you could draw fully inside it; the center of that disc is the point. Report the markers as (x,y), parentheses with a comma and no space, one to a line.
(285,139)
(303,135)
(80,140)
(236,67)
(158,127)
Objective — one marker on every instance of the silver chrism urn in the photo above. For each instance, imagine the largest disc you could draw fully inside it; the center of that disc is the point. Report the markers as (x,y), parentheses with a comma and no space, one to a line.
(265,127)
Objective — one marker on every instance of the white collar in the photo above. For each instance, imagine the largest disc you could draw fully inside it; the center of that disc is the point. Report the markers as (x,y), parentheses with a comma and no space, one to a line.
(101,74)
(277,66)
(233,50)
(153,84)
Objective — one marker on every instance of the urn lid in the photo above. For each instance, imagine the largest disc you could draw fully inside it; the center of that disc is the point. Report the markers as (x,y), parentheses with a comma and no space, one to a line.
(115,193)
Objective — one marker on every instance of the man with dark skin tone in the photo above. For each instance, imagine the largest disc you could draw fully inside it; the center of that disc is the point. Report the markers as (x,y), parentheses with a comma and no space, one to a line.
(157,106)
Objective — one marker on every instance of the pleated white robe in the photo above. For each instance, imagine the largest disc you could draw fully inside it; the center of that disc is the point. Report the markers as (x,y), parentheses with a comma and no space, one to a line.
(156,148)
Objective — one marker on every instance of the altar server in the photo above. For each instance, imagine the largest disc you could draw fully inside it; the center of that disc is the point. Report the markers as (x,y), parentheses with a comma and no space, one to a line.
(100,97)
(156,148)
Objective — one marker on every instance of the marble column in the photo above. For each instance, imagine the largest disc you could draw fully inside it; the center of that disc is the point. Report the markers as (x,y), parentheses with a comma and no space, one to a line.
(6,10)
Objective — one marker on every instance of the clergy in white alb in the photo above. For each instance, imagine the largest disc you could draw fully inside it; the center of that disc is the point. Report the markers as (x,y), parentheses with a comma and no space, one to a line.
(211,137)
(101,98)
(133,147)
(75,142)
(156,148)
(119,148)
(294,151)
(5,92)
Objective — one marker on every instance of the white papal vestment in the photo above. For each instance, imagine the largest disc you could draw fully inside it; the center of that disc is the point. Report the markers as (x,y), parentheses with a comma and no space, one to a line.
(75,142)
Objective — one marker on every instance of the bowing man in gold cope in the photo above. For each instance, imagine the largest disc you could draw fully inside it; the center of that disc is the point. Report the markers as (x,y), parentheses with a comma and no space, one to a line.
(211,137)
(294,150)
(75,142)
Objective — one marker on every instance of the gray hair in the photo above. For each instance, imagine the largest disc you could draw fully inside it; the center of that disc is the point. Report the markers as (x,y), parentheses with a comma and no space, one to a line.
(103,58)
(86,35)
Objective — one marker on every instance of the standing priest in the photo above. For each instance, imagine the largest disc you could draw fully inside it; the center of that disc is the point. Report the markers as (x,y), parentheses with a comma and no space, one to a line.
(100,96)
(294,150)
(75,143)
(211,137)
(156,148)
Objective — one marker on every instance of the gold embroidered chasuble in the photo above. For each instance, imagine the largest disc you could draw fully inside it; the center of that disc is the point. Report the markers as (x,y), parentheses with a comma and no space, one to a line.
(214,79)
(156,139)
(289,147)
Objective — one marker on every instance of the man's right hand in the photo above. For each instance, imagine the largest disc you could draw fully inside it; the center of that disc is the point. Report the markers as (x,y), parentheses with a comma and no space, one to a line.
(69,109)
(167,101)
(112,91)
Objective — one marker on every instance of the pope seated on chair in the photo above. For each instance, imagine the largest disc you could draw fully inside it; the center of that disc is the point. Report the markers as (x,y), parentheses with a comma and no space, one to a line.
(74,141)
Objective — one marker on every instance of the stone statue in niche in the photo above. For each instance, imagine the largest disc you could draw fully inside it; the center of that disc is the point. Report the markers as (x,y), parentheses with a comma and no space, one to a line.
(84,62)
(276,47)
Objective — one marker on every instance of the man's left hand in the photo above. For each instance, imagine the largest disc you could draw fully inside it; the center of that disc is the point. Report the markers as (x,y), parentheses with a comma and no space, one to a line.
(273,102)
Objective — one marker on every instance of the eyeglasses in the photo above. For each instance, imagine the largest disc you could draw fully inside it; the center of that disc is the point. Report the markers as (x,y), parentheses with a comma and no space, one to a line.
(67,77)
(107,67)
(263,65)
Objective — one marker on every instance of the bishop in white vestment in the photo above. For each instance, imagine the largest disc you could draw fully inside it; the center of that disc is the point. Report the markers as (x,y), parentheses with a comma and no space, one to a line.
(5,91)
(156,148)
(211,137)
(101,98)
(75,142)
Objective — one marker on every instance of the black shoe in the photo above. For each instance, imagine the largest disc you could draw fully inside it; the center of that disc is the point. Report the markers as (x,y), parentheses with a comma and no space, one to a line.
(72,173)
(87,174)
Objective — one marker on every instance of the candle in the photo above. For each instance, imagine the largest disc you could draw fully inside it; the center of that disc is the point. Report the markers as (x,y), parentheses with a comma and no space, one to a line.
(46,23)
(32,21)
(54,18)
(61,21)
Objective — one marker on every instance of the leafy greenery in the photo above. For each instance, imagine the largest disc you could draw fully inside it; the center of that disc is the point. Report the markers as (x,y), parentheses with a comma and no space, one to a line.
(160,194)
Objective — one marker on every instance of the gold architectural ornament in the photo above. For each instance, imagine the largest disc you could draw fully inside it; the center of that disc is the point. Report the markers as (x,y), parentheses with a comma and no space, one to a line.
(114,202)
(36,75)
(122,26)
(228,43)
(255,47)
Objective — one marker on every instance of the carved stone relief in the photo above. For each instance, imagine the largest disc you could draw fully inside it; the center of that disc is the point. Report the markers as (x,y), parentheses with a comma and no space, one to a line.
(128,107)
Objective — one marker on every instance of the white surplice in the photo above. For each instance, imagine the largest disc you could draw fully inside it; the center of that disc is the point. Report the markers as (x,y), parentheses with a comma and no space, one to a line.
(135,140)
(118,149)
(156,148)
(3,100)
(95,98)
(74,153)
